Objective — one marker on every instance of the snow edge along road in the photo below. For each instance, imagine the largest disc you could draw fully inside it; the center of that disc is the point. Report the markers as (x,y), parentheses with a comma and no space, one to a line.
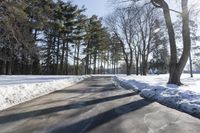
(173,98)
(11,95)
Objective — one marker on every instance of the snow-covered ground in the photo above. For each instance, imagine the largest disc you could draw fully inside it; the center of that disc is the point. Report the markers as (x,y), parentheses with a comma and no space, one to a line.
(185,98)
(18,89)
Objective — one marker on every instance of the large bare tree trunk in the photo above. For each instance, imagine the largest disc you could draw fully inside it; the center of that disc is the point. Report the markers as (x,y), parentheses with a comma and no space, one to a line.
(176,68)
(174,78)
(186,36)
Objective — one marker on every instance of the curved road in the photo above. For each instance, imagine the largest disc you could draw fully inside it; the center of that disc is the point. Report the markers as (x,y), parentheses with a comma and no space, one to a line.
(95,106)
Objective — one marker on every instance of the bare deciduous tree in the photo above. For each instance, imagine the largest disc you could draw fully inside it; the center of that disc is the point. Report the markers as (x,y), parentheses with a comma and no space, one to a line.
(122,25)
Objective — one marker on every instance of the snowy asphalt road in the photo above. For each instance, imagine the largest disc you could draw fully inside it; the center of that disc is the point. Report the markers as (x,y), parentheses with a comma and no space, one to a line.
(95,106)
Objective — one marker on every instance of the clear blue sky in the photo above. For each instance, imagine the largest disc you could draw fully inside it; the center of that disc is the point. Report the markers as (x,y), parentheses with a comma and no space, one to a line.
(97,7)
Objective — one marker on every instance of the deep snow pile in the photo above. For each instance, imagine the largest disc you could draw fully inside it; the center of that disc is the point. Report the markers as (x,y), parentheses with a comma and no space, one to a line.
(185,98)
(18,89)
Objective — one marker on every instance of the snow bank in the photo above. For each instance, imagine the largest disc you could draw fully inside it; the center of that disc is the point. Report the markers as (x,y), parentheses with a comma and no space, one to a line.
(18,89)
(185,98)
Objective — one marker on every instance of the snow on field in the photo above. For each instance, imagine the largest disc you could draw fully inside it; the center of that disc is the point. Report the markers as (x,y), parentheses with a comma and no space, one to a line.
(185,98)
(18,89)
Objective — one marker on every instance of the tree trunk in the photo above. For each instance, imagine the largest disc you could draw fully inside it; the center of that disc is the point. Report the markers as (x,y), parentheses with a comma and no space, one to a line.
(57,55)
(54,56)
(9,67)
(101,64)
(31,68)
(98,66)
(4,68)
(186,37)
(74,65)
(117,66)
(140,68)
(95,61)
(186,47)
(35,34)
(67,59)
(137,66)
(191,71)
(87,60)
(87,64)
(144,65)
(3,71)
(49,46)
(108,64)
(114,67)
(104,66)
(176,69)
(128,69)
(62,58)
(90,65)
(174,76)
(77,59)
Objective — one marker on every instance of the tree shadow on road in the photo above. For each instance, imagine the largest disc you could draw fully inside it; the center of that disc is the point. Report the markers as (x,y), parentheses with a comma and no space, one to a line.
(89,86)
(93,122)
(90,89)
(77,105)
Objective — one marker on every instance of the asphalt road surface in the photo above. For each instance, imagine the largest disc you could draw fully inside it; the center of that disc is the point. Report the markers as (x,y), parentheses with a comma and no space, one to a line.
(95,106)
